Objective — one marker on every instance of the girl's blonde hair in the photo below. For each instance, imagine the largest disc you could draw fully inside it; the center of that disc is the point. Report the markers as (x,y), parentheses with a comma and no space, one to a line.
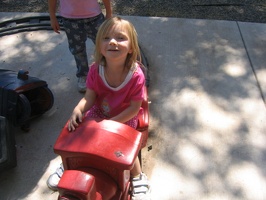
(133,37)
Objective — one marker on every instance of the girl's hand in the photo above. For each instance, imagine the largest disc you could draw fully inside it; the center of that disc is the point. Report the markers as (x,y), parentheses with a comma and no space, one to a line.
(74,120)
(55,25)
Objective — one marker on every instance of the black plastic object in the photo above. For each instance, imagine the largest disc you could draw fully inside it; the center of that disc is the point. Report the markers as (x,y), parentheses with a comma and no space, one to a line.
(23,97)
(8,158)
(32,23)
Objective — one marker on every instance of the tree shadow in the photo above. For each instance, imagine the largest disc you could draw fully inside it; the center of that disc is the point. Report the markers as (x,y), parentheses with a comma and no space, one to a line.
(203,108)
(207,115)
(46,56)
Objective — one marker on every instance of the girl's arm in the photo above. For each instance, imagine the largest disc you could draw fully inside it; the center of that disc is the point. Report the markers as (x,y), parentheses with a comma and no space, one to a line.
(108,8)
(53,19)
(83,106)
(128,113)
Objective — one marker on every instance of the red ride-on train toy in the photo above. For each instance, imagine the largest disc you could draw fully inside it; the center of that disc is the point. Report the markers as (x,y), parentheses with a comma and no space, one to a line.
(97,158)
(99,155)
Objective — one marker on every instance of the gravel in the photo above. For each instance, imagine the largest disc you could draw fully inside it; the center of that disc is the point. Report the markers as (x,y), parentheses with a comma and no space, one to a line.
(233,10)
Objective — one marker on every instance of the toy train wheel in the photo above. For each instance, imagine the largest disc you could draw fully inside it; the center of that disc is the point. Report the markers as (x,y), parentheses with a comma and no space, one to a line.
(33,103)
(41,100)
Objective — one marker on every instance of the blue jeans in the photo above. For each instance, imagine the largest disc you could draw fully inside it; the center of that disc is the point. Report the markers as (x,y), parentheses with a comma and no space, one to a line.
(77,31)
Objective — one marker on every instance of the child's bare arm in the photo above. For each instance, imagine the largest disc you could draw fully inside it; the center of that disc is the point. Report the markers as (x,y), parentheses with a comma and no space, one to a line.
(83,106)
(52,11)
(108,8)
(128,113)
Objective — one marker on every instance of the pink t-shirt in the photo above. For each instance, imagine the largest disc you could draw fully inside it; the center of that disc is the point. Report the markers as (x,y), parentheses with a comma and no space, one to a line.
(79,8)
(112,101)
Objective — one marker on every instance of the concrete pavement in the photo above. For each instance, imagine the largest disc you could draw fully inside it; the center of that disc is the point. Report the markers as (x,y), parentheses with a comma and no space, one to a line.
(208,119)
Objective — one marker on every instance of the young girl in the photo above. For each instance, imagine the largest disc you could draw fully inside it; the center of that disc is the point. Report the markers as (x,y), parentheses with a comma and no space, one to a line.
(81,20)
(115,87)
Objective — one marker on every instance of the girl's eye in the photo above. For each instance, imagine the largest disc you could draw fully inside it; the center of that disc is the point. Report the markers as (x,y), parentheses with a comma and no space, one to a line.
(106,38)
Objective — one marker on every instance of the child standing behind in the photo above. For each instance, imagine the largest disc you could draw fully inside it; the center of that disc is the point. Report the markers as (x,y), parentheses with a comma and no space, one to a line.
(81,19)
(115,87)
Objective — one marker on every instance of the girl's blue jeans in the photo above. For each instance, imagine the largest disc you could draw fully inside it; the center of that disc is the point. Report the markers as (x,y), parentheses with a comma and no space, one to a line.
(77,31)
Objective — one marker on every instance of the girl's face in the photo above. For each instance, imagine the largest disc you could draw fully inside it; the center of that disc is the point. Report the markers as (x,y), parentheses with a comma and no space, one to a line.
(116,44)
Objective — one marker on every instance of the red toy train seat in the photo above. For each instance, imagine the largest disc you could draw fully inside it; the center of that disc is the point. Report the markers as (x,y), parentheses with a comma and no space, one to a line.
(104,141)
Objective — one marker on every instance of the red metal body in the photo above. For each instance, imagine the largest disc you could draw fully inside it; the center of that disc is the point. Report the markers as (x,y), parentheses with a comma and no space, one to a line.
(98,156)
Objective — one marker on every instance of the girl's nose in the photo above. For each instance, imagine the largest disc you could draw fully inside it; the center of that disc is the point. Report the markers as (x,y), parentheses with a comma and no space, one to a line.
(113,41)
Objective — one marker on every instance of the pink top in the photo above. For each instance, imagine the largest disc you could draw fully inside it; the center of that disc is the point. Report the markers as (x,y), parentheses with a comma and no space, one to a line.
(113,101)
(79,8)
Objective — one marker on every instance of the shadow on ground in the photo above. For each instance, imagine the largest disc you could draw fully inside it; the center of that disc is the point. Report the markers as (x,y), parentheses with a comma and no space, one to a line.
(207,116)
(206,132)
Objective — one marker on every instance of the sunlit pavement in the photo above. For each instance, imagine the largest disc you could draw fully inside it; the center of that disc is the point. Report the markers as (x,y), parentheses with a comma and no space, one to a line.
(208,119)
